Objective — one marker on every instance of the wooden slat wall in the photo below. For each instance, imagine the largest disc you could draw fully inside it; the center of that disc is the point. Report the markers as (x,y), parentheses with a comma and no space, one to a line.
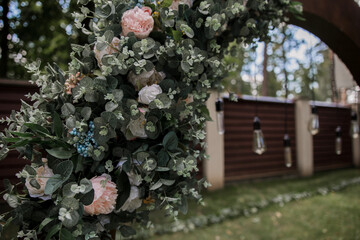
(240,161)
(11,91)
(324,142)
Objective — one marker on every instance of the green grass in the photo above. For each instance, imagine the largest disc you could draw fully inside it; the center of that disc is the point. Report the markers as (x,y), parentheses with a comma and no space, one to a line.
(334,216)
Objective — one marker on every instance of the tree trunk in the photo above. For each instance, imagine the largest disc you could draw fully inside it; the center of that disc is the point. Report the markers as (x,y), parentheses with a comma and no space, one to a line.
(265,83)
(334,92)
(3,39)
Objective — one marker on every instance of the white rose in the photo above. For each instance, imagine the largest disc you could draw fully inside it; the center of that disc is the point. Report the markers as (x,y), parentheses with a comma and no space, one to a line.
(137,127)
(148,93)
(145,78)
(112,48)
(133,202)
(175,4)
(43,174)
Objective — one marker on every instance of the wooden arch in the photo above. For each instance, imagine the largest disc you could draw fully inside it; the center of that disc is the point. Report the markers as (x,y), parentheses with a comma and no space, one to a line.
(336,23)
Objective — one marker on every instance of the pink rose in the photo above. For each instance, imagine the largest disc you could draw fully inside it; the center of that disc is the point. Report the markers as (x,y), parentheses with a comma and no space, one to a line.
(139,21)
(43,174)
(72,81)
(112,48)
(175,4)
(105,196)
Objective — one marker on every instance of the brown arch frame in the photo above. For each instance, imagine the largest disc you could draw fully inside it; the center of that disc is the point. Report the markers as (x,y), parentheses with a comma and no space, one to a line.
(336,23)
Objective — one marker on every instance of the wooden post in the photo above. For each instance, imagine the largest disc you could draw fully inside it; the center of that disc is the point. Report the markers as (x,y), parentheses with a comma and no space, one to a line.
(304,140)
(214,167)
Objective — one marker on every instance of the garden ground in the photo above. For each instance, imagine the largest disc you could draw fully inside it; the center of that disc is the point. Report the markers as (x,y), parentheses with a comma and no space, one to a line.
(332,216)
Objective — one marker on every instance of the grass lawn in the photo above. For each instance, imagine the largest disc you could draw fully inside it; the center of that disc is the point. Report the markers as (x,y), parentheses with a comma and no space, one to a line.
(334,216)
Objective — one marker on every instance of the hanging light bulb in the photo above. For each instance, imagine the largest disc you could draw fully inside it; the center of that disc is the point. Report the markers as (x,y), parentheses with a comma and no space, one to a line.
(220,116)
(314,121)
(354,126)
(259,146)
(287,151)
(338,141)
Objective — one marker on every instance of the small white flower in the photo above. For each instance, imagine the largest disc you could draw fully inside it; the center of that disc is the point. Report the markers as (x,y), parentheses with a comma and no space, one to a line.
(12,200)
(64,213)
(78,189)
(148,93)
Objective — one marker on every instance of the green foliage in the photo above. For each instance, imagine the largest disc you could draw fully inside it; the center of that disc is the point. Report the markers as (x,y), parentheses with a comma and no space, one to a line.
(128,113)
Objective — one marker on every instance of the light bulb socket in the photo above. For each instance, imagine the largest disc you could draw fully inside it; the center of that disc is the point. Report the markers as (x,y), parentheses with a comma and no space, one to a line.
(257,123)
(219,105)
(314,110)
(354,116)
(338,131)
(287,141)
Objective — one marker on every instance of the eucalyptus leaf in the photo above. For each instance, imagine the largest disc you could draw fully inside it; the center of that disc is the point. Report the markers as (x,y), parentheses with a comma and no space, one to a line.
(170,141)
(86,113)
(70,203)
(64,169)
(67,109)
(60,153)
(155,186)
(53,184)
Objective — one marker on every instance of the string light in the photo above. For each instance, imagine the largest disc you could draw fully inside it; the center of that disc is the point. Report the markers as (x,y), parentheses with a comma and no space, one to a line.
(259,146)
(313,125)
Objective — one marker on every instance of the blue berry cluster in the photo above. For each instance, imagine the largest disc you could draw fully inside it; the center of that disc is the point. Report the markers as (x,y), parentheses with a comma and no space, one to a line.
(84,142)
(140,3)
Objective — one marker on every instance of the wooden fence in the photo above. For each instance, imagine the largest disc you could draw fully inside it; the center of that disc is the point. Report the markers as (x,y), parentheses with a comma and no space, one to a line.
(324,142)
(242,163)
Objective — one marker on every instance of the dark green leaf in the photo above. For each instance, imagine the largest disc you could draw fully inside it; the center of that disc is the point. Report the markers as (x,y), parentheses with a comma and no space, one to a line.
(37,128)
(60,153)
(88,198)
(45,222)
(65,235)
(123,186)
(10,140)
(20,144)
(170,141)
(20,134)
(56,228)
(58,126)
(163,158)
(127,231)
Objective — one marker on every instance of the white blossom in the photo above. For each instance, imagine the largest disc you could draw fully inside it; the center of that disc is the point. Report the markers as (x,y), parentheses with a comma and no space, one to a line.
(148,93)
